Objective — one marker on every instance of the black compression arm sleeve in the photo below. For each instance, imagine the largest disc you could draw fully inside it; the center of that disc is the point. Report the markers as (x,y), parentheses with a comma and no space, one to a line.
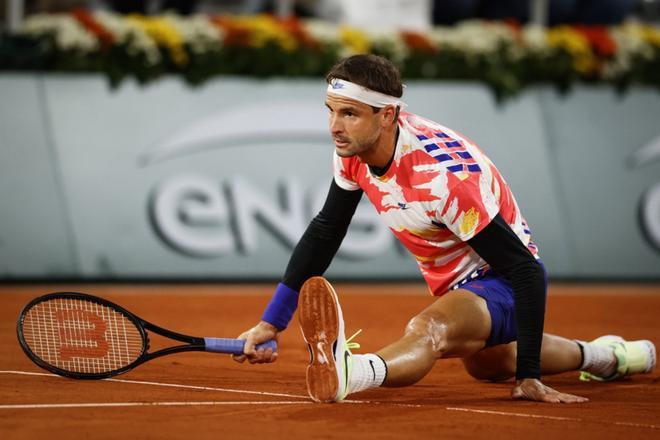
(499,246)
(320,242)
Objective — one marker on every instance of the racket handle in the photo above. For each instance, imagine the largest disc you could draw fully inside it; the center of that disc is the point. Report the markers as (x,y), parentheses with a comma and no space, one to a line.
(233,346)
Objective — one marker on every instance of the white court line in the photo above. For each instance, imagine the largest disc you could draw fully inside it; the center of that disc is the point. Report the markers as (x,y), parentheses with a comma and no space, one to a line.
(124,404)
(566,419)
(160,384)
(197,387)
(502,413)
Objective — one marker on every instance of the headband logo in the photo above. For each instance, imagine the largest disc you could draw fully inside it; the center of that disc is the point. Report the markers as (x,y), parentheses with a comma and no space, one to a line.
(336,84)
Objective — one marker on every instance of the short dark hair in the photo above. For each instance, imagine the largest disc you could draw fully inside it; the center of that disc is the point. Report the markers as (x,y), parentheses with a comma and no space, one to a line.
(370,71)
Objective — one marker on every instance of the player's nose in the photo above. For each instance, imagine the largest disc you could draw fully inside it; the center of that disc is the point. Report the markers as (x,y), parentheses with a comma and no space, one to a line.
(335,125)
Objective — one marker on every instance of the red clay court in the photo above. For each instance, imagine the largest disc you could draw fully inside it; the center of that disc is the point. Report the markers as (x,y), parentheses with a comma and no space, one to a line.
(199,395)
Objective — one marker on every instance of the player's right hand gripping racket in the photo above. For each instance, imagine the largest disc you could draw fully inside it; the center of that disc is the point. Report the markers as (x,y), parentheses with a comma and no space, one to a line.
(85,337)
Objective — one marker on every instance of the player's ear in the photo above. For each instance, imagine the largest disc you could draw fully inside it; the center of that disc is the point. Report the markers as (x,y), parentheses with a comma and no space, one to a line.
(389,115)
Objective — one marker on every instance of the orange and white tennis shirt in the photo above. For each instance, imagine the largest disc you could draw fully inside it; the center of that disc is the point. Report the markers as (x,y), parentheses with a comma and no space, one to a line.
(439,191)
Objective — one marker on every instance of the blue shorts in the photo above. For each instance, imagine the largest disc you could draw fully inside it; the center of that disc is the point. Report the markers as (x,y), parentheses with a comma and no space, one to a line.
(500,302)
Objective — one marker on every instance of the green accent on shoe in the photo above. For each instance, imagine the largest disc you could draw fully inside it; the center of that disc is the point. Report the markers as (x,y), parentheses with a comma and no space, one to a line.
(347,358)
(633,357)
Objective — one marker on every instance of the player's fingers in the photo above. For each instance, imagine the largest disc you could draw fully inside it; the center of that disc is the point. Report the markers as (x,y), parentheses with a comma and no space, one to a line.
(548,398)
(536,397)
(255,358)
(259,357)
(571,398)
(249,349)
(273,357)
(240,359)
(263,355)
(269,356)
(559,397)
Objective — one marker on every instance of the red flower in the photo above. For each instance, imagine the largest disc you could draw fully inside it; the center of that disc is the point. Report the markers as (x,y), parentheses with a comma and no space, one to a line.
(418,42)
(235,34)
(85,18)
(516,28)
(514,25)
(293,26)
(599,38)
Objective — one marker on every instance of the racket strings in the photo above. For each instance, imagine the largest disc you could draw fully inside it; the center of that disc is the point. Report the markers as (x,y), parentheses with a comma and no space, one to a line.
(81,336)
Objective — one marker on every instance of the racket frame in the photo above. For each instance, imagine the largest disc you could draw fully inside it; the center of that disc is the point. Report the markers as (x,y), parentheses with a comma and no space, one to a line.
(192,343)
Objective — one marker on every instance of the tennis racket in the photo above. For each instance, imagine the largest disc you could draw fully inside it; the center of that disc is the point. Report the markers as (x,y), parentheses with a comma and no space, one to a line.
(85,337)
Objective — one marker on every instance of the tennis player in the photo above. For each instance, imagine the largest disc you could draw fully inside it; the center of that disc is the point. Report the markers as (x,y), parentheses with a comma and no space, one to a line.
(449,205)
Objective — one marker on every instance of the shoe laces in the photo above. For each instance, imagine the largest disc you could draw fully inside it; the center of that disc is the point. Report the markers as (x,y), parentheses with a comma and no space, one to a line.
(353,345)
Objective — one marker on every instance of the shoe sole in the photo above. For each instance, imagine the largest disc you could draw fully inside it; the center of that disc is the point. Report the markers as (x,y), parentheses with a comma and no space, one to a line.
(650,365)
(319,321)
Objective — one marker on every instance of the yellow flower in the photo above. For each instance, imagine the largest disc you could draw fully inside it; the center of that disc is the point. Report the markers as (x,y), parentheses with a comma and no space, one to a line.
(354,40)
(577,45)
(651,35)
(165,34)
(265,29)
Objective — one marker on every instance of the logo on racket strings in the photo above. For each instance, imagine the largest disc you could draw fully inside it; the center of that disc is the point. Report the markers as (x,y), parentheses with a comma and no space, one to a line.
(82,334)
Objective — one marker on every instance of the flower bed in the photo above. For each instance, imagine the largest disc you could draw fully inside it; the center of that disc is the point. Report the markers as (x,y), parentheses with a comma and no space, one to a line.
(504,56)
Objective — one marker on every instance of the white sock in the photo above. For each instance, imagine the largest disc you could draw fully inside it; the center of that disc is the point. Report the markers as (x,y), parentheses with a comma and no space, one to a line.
(369,371)
(597,360)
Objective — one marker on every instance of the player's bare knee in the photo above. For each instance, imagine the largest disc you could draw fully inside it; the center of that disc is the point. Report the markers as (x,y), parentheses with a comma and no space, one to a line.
(429,330)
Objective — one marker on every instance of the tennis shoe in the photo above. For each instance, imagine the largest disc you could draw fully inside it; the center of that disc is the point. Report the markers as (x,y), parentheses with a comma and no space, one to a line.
(322,325)
(633,357)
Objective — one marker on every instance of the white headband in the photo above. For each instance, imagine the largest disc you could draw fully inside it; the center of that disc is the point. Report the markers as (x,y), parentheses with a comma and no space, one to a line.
(370,97)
